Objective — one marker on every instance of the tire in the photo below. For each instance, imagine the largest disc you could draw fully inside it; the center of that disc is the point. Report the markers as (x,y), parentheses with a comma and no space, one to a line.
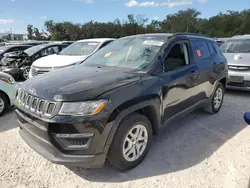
(116,156)
(25,74)
(212,108)
(3,104)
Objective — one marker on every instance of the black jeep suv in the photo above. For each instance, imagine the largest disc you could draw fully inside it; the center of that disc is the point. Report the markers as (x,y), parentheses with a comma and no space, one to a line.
(111,105)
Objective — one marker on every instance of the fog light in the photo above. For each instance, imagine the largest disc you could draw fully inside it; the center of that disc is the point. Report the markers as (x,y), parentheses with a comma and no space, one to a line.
(75,141)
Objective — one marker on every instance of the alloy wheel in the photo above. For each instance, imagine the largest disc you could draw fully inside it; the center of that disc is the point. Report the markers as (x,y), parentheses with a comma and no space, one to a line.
(135,143)
(218,98)
(26,74)
(1,105)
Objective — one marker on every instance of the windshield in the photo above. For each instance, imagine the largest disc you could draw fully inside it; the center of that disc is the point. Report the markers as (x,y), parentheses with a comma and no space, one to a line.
(236,46)
(130,52)
(34,49)
(80,48)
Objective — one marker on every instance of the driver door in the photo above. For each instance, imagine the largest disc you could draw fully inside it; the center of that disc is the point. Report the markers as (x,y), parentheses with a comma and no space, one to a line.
(179,79)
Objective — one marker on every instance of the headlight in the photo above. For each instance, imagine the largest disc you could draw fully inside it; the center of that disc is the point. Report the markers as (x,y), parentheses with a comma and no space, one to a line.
(9,80)
(83,108)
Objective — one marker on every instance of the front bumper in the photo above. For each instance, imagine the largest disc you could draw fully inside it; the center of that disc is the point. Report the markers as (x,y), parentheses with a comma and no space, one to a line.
(14,72)
(245,85)
(41,137)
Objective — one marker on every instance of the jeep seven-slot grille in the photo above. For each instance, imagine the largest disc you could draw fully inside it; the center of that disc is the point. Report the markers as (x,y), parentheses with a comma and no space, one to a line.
(35,104)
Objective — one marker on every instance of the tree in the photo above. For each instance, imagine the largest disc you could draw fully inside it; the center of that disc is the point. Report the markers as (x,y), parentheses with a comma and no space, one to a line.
(37,34)
(221,25)
(30,32)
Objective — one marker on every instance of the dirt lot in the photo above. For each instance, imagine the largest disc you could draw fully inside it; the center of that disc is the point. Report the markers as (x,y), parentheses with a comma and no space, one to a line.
(199,151)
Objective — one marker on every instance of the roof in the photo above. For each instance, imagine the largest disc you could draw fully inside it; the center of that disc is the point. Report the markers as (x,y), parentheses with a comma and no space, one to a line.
(246,36)
(49,44)
(170,35)
(162,36)
(96,40)
(14,45)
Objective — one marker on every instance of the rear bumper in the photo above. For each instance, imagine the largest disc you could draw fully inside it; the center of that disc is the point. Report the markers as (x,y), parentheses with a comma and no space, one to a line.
(42,142)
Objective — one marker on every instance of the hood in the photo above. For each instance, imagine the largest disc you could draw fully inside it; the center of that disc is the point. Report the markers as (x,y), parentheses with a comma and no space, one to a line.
(58,60)
(78,83)
(12,54)
(238,59)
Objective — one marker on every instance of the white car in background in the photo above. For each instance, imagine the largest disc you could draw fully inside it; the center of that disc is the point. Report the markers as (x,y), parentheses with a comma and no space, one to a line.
(8,88)
(74,53)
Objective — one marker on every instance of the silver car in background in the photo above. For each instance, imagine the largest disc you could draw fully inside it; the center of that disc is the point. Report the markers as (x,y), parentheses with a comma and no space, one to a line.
(237,52)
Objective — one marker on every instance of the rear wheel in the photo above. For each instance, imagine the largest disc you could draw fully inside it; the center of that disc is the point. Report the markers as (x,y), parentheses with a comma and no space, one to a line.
(131,142)
(3,104)
(217,100)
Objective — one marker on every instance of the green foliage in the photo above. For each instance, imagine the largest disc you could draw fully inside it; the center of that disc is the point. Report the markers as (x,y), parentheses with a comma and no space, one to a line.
(221,25)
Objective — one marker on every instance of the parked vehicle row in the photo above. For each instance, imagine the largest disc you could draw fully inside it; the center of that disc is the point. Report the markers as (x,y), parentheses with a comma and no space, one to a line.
(73,54)
(110,105)
(18,64)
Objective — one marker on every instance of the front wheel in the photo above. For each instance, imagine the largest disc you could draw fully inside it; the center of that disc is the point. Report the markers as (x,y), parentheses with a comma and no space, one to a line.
(131,142)
(3,104)
(216,100)
(25,74)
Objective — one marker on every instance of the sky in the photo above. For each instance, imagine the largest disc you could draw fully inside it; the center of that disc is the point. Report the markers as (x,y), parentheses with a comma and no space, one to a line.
(15,15)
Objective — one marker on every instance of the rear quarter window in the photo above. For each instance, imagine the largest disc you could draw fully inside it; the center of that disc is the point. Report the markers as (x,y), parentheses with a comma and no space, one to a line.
(211,48)
(200,48)
(216,47)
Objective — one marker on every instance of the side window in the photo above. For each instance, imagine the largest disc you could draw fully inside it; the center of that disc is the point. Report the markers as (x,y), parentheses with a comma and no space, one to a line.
(211,48)
(105,44)
(50,50)
(177,57)
(201,50)
(53,50)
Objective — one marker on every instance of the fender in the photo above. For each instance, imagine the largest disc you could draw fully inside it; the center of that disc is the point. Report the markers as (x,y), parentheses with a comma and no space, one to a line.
(153,103)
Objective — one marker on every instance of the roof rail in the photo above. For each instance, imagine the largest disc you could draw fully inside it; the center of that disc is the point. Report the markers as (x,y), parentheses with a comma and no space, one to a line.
(191,34)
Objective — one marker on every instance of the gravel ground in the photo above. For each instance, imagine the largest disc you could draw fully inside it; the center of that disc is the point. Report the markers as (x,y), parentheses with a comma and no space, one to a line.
(199,151)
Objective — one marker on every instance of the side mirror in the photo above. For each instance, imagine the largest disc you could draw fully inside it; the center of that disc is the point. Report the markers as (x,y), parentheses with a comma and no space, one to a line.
(247,118)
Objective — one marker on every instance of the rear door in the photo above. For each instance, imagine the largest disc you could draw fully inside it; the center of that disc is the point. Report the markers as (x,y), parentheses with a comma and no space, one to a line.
(204,57)
(179,79)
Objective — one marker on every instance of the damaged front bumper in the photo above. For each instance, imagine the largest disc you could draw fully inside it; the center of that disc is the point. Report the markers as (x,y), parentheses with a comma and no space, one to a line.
(50,140)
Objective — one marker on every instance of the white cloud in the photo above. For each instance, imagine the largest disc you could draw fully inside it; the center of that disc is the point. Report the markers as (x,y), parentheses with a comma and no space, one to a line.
(6,21)
(202,1)
(43,17)
(13,0)
(134,3)
(155,18)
